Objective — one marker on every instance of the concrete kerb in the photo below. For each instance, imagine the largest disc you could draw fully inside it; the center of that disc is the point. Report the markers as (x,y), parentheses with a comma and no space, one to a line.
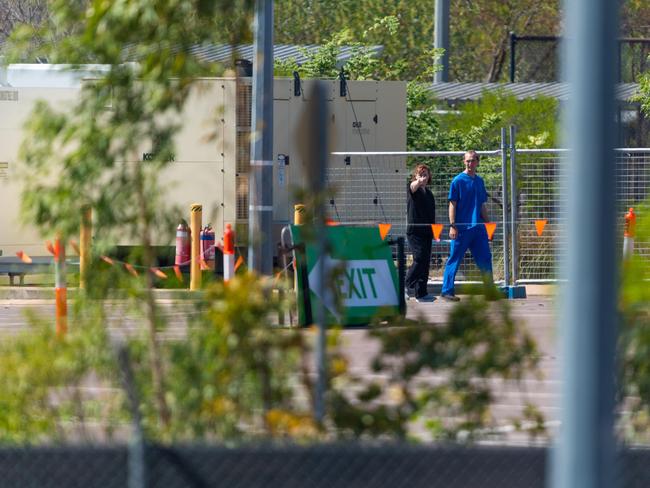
(47,293)
(434,288)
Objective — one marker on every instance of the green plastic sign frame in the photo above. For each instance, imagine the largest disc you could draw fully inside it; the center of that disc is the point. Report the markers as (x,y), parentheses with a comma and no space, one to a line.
(361,279)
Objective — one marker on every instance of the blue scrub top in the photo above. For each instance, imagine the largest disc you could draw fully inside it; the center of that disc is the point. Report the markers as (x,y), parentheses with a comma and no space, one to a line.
(469,194)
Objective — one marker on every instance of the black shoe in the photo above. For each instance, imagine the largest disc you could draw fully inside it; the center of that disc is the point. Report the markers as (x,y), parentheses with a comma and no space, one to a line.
(425,299)
(450,298)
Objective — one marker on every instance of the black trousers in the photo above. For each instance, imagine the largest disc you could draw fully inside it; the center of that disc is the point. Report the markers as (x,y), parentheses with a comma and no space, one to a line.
(417,275)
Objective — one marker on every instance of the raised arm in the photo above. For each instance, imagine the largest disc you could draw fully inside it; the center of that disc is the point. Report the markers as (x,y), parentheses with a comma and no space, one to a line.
(419,182)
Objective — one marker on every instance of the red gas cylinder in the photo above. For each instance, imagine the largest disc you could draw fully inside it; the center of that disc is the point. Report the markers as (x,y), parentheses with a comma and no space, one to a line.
(229,240)
(183,245)
(207,245)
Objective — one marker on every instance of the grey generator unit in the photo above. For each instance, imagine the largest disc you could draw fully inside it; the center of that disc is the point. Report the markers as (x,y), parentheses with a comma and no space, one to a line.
(212,148)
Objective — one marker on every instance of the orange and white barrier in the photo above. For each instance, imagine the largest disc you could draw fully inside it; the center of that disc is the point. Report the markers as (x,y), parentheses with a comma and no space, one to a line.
(629,233)
(228,253)
(60,289)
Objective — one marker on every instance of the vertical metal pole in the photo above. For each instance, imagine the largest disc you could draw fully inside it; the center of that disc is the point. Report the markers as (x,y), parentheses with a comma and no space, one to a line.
(584,456)
(514,210)
(504,201)
(260,192)
(137,449)
(401,270)
(196,214)
(85,236)
(318,187)
(513,46)
(442,39)
(60,288)
(619,51)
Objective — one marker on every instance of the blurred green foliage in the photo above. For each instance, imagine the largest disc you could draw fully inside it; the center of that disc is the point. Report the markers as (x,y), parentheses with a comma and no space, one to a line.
(634,333)
(42,396)
(536,119)
(478,30)
(479,343)
(232,375)
(634,340)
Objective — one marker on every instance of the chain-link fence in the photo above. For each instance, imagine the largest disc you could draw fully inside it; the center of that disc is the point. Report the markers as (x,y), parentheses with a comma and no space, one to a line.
(539,214)
(536,58)
(370,188)
(266,466)
(541,193)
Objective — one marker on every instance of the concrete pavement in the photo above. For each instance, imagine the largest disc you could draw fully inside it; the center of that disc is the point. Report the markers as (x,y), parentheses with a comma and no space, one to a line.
(536,313)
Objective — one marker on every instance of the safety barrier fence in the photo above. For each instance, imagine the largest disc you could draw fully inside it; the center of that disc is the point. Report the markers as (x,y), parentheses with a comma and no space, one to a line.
(331,466)
(371,187)
(526,191)
(526,196)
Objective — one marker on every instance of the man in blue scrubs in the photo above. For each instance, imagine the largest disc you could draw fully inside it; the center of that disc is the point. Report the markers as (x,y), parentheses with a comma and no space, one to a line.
(467,218)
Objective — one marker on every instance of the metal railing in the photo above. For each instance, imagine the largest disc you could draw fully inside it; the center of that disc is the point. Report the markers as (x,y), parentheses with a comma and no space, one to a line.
(367,188)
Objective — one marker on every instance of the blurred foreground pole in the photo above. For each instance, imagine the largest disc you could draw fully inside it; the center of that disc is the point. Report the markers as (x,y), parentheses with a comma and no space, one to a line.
(441,39)
(314,150)
(137,455)
(60,288)
(585,454)
(260,185)
(85,237)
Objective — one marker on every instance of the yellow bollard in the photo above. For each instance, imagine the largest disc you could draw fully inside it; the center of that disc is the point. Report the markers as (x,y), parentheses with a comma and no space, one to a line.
(85,236)
(196,213)
(299,214)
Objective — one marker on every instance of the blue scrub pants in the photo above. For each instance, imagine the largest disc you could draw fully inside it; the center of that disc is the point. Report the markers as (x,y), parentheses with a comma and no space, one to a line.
(474,239)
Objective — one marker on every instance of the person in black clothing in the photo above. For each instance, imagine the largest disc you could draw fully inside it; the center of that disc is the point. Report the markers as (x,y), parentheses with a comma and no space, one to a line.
(421,213)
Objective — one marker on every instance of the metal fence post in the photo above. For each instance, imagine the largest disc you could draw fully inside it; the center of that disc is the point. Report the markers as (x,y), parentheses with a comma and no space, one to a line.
(441,34)
(315,126)
(514,210)
(137,475)
(401,273)
(504,201)
(260,192)
(586,447)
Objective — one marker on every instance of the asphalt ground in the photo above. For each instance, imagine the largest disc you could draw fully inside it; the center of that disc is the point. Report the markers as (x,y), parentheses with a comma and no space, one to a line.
(535,313)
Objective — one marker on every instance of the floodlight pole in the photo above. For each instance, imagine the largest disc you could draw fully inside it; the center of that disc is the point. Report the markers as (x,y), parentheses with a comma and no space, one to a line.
(584,456)
(441,40)
(260,189)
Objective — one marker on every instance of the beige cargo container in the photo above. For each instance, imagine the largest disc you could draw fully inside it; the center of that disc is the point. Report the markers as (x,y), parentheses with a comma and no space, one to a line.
(212,150)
